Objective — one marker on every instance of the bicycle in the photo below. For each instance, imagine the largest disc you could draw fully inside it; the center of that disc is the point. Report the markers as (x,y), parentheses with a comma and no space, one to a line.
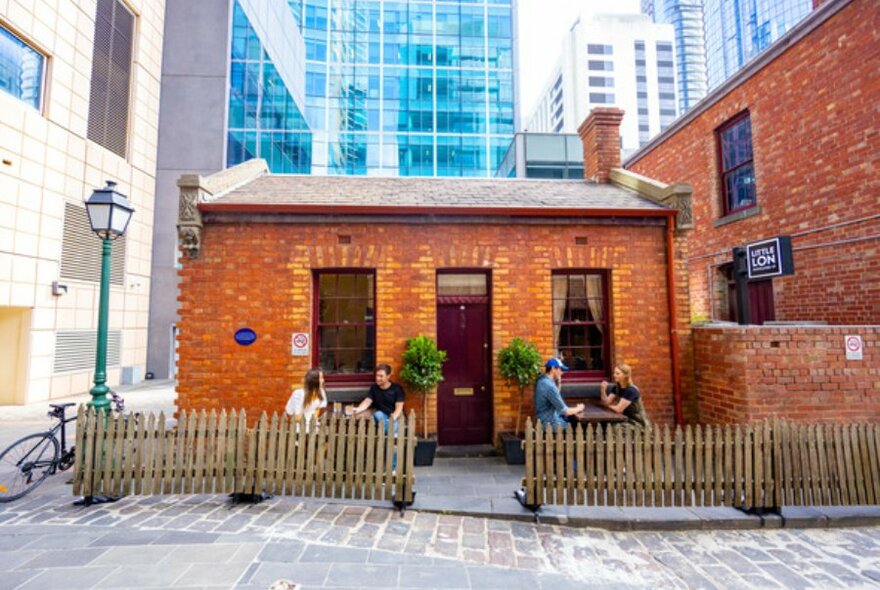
(26,463)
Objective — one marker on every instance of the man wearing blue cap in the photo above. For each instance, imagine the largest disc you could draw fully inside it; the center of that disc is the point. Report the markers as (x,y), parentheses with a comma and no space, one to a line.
(549,407)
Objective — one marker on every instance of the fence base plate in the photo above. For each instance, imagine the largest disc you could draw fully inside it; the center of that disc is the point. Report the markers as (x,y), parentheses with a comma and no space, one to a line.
(92,500)
(520,495)
(760,510)
(238,498)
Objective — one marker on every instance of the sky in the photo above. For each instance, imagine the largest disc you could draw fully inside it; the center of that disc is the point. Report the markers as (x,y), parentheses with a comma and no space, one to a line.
(542,24)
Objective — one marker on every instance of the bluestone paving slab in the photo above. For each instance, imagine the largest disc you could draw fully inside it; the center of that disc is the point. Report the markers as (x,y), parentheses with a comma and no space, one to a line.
(10,580)
(213,574)
(803,516)
(214,553)
(364,576)
(68,578)
(300,573)
(62,558)
(388,557)
(333,554)
(282,551)
(454,503)
(490,578)
(432,576)
(186,538)
(143,576)
(127,537)
(134,555)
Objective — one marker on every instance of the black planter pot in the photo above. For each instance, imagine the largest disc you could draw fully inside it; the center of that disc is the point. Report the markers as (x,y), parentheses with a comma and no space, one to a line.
(513,450)
(425,450)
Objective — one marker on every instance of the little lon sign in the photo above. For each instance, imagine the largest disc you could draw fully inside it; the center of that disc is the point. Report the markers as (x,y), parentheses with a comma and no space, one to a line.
(299,344)
(770,258)
(854,348)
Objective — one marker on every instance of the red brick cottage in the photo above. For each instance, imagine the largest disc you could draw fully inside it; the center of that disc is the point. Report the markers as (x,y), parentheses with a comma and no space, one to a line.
(788,146)
(358,265)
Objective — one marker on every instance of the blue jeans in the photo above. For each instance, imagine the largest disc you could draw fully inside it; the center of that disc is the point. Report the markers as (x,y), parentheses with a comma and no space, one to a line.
(382,418)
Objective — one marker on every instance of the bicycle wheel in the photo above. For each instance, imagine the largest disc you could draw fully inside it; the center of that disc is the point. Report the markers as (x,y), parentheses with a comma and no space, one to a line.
(25,464)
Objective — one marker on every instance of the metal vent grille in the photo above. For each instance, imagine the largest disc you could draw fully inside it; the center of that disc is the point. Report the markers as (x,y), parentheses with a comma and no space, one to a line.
(75,350)
(111,76)
(81,249)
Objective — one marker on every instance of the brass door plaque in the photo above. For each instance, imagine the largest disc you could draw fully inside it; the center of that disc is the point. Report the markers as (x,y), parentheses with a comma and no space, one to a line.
(463,391)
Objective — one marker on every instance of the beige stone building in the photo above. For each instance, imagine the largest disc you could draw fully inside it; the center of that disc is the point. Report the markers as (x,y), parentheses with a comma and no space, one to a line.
(79,101)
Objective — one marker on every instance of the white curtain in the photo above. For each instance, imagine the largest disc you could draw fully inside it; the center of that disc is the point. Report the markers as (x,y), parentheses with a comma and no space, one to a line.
(560,301)
(594,299)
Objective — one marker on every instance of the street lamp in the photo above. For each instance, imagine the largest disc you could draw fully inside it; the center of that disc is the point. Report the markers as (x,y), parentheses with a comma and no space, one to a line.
(109,213)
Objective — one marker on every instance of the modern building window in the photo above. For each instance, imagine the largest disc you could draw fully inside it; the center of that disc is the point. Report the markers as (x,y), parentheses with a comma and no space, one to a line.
(600,66)
(345,324)
(601,98)
(736,164)
(581,333)
(598,49)
(601,81)
(21,69)
(111,76)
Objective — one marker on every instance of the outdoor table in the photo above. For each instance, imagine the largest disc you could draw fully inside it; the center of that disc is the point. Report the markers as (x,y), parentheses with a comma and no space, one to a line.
(595,413)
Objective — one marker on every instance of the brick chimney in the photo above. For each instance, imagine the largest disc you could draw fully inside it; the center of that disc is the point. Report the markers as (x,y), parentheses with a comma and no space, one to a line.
(600,135)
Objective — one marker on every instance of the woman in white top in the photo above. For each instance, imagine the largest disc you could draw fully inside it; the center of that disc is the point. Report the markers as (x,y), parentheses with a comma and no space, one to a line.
(306,403)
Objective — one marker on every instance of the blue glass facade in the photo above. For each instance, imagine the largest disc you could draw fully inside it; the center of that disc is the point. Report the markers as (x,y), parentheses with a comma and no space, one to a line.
(686,17)
(408,88)
(264,120)
(737,30)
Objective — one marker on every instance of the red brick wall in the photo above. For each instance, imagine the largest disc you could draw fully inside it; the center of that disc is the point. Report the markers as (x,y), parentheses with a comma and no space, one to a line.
(260,276)
(815,132)
(750,373)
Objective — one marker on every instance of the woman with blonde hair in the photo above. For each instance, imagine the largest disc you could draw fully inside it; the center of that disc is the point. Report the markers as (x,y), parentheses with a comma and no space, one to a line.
(307,403)
(623,396)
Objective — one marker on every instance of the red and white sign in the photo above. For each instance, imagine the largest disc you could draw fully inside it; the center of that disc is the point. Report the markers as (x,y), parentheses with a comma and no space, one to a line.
(299,344)
(854,348)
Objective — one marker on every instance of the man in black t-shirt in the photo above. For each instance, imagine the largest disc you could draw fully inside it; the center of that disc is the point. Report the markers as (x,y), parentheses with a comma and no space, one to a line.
(385,397)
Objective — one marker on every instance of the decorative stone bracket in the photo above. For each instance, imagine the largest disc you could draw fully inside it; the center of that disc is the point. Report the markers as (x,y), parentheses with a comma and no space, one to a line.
(195,189)
(678,196)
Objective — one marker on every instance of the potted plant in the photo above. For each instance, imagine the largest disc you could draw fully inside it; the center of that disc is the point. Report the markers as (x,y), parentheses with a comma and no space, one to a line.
(422,371)
(519,363)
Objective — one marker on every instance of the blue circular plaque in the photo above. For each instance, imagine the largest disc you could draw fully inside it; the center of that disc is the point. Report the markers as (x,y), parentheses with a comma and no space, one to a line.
(245,336)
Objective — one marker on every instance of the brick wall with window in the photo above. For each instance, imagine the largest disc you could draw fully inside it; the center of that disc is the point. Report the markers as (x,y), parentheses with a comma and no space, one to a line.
(597,303)
(813,124)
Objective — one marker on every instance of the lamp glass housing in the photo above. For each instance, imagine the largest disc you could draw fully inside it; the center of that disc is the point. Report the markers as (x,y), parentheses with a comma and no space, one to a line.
(109,212)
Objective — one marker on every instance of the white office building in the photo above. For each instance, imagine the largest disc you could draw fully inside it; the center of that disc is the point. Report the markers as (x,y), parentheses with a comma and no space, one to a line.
(622,60)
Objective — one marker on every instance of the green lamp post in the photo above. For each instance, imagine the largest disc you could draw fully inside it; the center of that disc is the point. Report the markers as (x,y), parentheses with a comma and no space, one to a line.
(109,213)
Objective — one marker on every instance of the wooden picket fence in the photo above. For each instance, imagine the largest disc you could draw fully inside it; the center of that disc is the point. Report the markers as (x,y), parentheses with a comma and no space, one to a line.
(211,453)
(765,465)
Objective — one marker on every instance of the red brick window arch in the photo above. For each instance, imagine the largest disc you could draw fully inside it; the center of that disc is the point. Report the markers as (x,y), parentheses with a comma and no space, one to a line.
(345,324)
(581,327)
(736,164)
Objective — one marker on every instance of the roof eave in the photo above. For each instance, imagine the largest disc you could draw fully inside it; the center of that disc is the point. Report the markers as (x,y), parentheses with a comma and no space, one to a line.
(397,210)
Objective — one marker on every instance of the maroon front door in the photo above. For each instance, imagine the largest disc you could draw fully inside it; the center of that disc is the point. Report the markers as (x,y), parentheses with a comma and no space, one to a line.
(464,398)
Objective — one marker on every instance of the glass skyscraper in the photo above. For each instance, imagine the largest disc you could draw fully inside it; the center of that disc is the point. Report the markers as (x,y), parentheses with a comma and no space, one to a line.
(686,17)
(264,120)
(407,88)
(737,30)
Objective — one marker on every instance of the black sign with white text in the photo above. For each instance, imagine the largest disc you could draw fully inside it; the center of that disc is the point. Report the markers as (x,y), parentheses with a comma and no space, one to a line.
(770,258)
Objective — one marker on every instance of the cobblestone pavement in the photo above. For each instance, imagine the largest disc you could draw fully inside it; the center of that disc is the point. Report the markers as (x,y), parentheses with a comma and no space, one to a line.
(205,541)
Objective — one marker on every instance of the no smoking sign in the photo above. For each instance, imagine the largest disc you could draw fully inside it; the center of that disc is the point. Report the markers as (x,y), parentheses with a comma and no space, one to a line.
(854,348)
(299,344)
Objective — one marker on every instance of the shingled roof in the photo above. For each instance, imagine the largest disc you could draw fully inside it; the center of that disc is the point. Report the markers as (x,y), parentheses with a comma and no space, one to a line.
(292,192)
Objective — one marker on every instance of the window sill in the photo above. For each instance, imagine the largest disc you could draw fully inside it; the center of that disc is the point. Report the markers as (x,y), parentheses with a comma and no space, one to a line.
(737,216)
